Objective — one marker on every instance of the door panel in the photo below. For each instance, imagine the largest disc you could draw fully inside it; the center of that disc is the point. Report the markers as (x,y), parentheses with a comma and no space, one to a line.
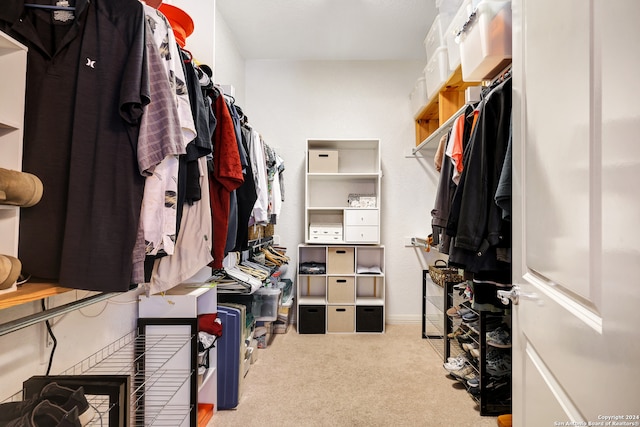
(576,210)
(557,54)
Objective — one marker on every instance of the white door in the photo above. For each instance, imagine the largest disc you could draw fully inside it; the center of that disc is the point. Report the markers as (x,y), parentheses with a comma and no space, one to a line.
(576,187)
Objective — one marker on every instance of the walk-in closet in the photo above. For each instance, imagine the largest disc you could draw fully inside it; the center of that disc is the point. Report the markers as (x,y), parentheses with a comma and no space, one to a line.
(331,212)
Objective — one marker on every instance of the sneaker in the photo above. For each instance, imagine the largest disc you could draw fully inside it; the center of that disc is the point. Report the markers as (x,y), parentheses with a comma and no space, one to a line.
(499,337)
(459,310)
(471,316)
(470,346)
(467,338)
(46,413)
(455,364)
(63,397)
(461,330)
(464,373)
(475,352)
(500,366)
(473,382)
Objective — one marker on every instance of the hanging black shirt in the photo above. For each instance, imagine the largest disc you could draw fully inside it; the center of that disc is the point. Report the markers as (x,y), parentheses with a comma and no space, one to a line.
(86,84)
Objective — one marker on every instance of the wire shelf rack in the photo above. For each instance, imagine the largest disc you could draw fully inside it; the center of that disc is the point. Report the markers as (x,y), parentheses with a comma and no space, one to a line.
(139,363)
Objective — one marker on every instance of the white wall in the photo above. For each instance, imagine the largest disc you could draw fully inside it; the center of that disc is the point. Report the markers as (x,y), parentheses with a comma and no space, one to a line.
(288,102)
(230,65)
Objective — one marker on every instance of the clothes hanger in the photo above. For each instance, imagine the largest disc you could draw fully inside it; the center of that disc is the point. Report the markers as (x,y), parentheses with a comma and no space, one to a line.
(48,6)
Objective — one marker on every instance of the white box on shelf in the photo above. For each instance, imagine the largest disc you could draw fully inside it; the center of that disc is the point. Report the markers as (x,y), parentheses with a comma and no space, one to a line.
(419,95)
(436,72)
(435,37)
(485,42)
(455,26)
(323,161)
(331,232)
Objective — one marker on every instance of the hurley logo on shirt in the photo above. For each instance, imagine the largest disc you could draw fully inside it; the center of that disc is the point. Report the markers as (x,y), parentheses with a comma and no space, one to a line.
(91,63)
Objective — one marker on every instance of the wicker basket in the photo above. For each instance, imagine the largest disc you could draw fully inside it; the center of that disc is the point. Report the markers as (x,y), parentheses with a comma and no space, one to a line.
(441,273)
(268,230)
(256,232)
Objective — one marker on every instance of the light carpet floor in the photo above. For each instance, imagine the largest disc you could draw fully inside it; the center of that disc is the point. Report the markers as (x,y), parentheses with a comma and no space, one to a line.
(390,379)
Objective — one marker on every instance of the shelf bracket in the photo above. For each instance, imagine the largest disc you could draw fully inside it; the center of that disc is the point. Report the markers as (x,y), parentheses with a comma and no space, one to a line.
(437,134)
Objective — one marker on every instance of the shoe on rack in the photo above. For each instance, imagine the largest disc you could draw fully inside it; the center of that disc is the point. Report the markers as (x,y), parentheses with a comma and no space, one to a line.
(470,316)
(10,269)
(475,352)
(461,330)
(468,346)
(463,374)
(459,310)
(499,367)
(499,337)
(455,364)
(468,337)
(62,397)
(46,414)
(473,382)
(19,188)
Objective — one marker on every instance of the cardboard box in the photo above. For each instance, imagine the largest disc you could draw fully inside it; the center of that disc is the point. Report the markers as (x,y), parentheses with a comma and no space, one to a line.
(285,316)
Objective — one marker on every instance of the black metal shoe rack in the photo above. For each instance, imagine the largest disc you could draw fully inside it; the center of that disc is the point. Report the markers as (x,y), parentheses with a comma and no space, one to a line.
(491,400)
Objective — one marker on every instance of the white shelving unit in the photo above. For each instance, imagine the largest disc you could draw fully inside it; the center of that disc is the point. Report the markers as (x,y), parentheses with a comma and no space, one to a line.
(183,302)
(349,296)
(13,68)
(337,169)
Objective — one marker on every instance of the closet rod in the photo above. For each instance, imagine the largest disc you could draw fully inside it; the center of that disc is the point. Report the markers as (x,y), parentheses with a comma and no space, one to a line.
(441,130)
(23,322)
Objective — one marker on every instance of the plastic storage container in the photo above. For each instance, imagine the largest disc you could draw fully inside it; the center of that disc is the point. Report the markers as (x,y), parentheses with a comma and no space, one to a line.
(485,42)
(436,72)
(447,10)
(435,37)
(265,304)
(419,95)
(458,20)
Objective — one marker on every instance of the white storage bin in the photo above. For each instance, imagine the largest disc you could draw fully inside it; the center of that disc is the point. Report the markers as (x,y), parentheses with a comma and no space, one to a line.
(419,96)
(485,43)
(460,17)
(448,6)
(436,72)
(435,37)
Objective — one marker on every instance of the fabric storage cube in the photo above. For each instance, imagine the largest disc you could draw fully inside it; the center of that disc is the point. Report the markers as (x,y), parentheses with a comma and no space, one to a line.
(340,318)
(341,290)
(312,319)
(369,318)
(340,260)
(435,37)
(436,72)
(457,22)
(323,161)
(485,43)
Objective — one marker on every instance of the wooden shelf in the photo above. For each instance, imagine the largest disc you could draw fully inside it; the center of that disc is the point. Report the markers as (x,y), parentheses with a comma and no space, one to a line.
(29,292)
(442,106)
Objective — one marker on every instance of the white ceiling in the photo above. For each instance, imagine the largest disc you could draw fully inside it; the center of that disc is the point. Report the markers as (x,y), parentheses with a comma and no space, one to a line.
(329,29)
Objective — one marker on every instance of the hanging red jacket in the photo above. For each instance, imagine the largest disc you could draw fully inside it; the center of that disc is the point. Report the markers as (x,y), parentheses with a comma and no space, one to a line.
(225,177)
